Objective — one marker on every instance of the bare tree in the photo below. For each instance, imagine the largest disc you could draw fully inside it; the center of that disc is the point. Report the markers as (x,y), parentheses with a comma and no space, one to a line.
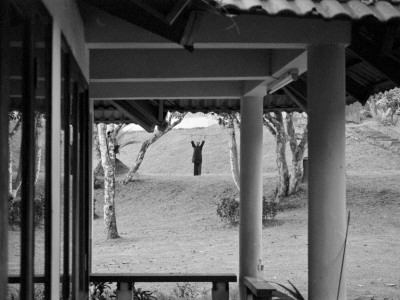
(106,135)
(288,184)
(230,121)
(298,150)
(274,123)
(14,187)
(172,120)
(39,137)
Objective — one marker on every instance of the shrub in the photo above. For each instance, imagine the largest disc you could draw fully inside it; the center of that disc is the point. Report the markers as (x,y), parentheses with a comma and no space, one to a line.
(104,291)
(101,291)
(228,211)
(186,291)
(14,211)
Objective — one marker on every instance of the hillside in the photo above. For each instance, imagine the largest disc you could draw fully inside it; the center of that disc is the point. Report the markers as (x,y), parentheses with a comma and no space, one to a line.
(168,223)
(172,153)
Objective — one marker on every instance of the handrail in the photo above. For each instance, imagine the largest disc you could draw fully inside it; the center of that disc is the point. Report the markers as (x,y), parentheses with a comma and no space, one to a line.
(15,279)
(220,282)
(162,277)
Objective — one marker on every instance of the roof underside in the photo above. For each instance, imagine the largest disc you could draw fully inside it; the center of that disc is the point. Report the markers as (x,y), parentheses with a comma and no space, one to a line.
(233,48)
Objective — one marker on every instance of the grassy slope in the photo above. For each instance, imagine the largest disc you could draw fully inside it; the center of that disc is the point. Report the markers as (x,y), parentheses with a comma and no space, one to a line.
(168,221)
(172,153)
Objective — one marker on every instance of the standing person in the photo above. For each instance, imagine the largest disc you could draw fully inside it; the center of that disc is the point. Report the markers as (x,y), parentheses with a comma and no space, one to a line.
(197,158)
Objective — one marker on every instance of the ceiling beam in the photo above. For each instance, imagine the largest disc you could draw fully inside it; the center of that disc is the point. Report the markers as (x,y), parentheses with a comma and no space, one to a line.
(134,115)
(218,31)
(298,90)
(298,100)
(356,90)
(177,64)
(148,110)
(372,53)
(166,90)
(282,60)
(139,13)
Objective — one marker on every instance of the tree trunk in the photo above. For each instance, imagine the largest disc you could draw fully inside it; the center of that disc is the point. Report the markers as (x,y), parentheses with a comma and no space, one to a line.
(283,171)
(146,144)
(10,169)
(233,155)
(107,142)
(39,143)
(139,158)
(13,191)
(297,154)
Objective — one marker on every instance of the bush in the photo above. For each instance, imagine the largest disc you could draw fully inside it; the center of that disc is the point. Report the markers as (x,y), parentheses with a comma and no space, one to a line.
(107,291)
(228,211)
(188,291)
(14,211)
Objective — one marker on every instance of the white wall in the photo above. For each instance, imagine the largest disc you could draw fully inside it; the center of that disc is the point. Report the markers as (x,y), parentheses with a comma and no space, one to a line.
(66,16)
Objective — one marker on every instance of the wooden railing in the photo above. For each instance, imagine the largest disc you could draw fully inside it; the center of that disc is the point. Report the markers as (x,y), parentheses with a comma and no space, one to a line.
(15,279)
(220,282)
(259,289)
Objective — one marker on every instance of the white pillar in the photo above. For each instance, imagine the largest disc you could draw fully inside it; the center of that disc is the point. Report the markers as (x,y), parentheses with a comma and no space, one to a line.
(251,147)
(327,178)
(56,162)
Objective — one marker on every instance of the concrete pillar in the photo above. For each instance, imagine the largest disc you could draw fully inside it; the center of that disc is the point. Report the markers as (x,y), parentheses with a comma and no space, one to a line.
(56,168)
(251,147)
(327,178)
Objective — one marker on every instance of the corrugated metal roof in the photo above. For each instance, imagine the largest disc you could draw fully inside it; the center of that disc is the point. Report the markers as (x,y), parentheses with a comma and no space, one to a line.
(357,10)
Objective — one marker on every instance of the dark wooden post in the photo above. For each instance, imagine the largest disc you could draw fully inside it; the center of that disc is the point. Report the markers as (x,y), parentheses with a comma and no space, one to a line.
(220,291)
(4,175)
(28,160)
(124,291)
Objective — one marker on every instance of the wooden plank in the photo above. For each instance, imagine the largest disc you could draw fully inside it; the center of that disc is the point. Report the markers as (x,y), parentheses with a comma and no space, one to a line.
(162,277)
(115,65)
(16,279)
(259,288)
(4,150)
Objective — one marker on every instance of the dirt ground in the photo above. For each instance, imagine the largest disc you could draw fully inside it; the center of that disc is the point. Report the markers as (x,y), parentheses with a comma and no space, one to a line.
(168,223)
(175,228)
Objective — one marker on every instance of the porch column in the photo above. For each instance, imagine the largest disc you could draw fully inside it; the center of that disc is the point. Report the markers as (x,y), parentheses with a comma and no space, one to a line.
(55,163)
(327,178)
(251,146)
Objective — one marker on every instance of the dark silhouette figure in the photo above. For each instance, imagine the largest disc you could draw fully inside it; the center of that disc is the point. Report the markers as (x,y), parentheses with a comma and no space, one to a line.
(197,157)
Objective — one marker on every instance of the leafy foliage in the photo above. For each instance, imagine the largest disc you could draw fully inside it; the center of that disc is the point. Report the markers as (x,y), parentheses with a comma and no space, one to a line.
(384,106)
(228,211)
(14,208)
(186,291)
(292,291)
(104,291)
(139,294)
(101,291)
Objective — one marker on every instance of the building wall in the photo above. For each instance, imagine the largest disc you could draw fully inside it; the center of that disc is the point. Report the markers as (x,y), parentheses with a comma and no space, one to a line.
(67,18)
